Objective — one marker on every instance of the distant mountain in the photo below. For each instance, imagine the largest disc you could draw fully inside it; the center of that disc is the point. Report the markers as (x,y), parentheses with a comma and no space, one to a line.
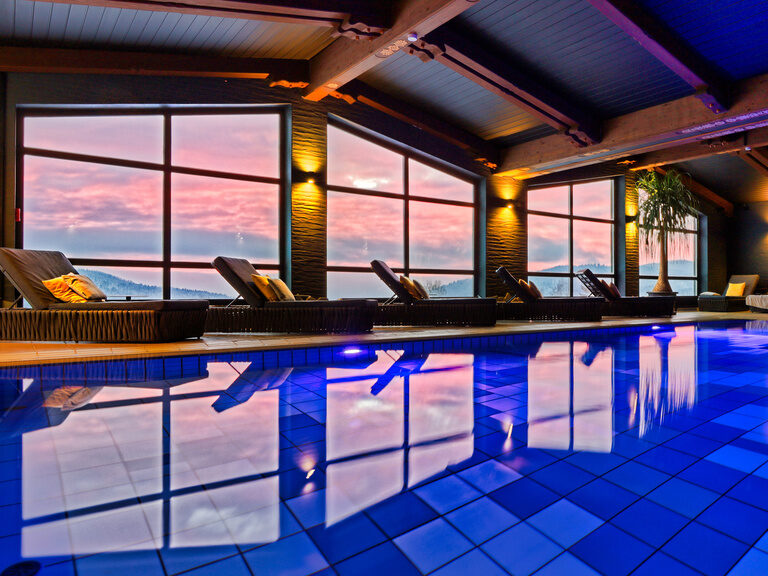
(116,286)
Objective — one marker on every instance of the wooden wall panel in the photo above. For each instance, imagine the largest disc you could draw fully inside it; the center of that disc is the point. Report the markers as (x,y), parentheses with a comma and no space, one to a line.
(506,231)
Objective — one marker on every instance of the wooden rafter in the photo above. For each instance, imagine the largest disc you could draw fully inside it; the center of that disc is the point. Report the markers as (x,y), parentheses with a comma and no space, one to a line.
(704,192)
(658,127)
(661,43)
(70,61)
(456,49)
(756,159)
(346,59)
(349,17)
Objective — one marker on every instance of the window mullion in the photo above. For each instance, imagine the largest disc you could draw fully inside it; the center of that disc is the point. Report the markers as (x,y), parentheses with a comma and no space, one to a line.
(166,205)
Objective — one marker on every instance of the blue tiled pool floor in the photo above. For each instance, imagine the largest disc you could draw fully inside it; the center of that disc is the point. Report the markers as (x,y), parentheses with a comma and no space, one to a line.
(644,452)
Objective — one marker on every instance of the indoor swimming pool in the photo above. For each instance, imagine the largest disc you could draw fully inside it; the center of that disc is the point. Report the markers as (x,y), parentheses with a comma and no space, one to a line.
(641,451)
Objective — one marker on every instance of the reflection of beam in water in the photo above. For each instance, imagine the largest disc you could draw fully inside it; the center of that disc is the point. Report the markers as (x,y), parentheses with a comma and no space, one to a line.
(667,375)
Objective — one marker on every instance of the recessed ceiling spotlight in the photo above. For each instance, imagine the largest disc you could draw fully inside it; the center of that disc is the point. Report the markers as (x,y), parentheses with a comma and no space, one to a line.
(747,148)
(412,37)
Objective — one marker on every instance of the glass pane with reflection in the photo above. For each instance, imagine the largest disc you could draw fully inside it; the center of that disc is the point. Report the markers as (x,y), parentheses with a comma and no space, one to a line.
(593,199)
(363,228)
(220,216)
(548,240)
(447,285)
(682,254)
(356,285)
(424,180)
(552,285)
(685,287)
(549,199)
(441,236)
(237,143)
(359,163)
(206,284)
(118,283)
(125,137)
(91,210)
(592,246)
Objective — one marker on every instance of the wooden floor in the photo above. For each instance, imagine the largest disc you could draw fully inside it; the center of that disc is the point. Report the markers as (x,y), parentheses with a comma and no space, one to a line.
(14,353)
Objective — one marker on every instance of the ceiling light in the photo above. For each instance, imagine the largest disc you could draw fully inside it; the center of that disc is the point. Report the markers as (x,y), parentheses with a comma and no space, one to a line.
(412,37)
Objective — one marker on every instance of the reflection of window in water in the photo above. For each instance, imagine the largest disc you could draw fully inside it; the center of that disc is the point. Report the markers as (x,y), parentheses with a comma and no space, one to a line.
(667,380)
(436,395)
(570,397)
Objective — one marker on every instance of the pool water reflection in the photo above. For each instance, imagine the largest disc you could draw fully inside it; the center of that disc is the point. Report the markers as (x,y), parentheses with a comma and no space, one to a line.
(545,456)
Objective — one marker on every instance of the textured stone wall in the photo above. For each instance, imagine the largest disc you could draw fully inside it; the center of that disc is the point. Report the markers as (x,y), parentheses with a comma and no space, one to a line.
(506,231)
(631,237)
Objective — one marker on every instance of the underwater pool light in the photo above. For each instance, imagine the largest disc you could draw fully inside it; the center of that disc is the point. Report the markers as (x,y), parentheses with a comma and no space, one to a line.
(351,351)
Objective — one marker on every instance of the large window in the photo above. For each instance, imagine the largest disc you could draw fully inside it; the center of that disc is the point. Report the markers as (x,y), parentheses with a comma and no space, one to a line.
(682,259)
(387,205)
(570,227)
(142,200)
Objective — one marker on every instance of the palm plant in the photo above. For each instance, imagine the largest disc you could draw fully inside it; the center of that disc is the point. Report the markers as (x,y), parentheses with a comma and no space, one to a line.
(664,210)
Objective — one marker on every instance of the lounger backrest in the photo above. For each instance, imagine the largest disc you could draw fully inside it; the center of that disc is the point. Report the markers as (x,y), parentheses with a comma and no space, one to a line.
(594,285)
(390,279)
(237,271)
(26,269)
(750,282)
(513,285)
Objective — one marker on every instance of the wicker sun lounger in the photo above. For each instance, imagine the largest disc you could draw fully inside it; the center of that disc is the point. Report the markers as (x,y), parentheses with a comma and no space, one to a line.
(713,302)
(528,307)
(647,306)
(348,316)
(111,321)
(407,311)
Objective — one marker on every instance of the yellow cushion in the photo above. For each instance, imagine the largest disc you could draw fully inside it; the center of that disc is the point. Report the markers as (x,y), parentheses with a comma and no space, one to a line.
(735,289)
(410,287)
(62,291)
(262,285)
(421,289)
(282,291)
(85,287)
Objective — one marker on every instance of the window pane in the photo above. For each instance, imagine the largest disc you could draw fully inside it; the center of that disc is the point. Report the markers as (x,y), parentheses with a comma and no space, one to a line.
(649,254)
(92,210)
(206,284)
(593,199)
(580,290)
(125,137)
(356,285)
(682,254)
(593,246)
(552,286)
(441,236)
(359,163)
(424,180)
(364,228)
(121,282)
(221,217)
(239,143)
(447,285)
(549,199)
(684,287)
(548,240)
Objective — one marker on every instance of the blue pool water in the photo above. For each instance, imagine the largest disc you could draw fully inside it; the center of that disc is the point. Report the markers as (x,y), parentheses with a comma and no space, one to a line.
(640,451)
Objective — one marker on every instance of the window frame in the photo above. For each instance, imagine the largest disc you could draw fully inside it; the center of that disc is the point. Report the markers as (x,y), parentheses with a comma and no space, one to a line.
(571,275)
(165,263)
(408,154)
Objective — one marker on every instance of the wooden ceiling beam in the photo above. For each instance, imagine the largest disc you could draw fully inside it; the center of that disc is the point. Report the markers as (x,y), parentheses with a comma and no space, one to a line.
(70,61)
(755,159)
(346,59)
(349,17)
(657,40)
(664,126)
(700,149)
(481,150)
(468,56)
(703,192)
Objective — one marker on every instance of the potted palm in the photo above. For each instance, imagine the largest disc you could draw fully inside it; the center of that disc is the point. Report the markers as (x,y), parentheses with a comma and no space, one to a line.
(664,209)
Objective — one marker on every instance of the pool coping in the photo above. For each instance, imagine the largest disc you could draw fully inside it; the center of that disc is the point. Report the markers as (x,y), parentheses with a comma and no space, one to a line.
(36,353)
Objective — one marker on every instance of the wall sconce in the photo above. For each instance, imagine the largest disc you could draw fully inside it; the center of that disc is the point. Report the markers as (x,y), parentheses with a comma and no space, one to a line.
(631,218)
(310,177)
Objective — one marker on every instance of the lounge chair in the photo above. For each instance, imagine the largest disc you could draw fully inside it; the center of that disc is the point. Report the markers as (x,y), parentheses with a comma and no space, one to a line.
(109,321)
(714,302)
(647,306)
(348,316)
(405,310)
(526,306)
